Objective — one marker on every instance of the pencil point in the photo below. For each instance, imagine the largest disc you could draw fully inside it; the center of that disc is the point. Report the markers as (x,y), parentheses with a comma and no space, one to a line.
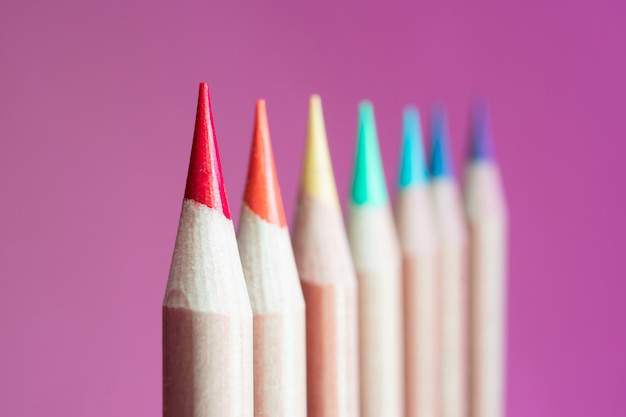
(441,163)
(205,183)
(413,164)
(317,175)
(482,138)
(368,186)
(262,194)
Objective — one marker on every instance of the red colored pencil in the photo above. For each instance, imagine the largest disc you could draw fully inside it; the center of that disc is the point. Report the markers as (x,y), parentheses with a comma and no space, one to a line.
(207,320)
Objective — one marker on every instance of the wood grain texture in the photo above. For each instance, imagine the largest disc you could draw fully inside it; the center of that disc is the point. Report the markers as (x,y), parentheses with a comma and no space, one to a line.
(454,297)
(207,321)
(279,317)
(330,291)
(422,320)
(486,213)
(377,260)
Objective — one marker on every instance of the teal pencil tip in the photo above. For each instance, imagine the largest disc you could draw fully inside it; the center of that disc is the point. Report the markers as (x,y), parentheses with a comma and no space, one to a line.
(368,185)
(413,170)
(441,162)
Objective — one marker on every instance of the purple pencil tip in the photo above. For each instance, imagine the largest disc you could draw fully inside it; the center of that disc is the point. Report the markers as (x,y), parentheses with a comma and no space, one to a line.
(481,135)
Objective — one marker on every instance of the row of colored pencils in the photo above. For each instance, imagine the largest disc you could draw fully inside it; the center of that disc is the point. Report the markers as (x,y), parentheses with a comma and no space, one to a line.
(391,319)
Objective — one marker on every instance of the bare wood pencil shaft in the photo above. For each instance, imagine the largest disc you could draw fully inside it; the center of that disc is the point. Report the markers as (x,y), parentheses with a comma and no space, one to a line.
(207,322)
(416,232)
(377,260)
(454,298)
(195,341)
(487,234)
(330,293)
(279,321)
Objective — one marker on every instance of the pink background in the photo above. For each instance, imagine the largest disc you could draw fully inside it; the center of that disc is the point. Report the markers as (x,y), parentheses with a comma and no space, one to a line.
(97,104)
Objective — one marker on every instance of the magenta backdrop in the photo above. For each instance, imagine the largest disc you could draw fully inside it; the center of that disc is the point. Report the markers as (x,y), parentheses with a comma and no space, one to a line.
(97,103)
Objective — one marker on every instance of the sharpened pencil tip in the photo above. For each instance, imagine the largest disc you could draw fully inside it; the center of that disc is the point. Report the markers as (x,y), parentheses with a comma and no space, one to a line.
(441,162)
(318,178)
(368,186)
(481,135)
(205,183)
(262,194)
(413,170)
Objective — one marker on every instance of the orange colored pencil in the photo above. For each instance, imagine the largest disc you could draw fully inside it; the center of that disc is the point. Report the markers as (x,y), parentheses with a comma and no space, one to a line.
(273,286)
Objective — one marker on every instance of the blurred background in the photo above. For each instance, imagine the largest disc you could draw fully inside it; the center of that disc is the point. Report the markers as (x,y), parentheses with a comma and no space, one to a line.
(97,105)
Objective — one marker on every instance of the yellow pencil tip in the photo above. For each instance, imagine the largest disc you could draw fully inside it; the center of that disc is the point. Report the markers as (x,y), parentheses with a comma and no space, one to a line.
(318,179)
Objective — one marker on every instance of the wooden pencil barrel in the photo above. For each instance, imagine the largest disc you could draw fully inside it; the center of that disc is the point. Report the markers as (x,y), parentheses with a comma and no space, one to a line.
(486,215)
(454,298)
(330,293)
(422,320)
(377,260)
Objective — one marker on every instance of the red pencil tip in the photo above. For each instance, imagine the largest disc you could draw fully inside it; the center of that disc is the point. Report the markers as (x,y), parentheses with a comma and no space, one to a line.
(205,184)
(262,193)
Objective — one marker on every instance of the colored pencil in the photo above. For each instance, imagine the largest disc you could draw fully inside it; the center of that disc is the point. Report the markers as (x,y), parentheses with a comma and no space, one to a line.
(418,241)
(377,260)
(486,214)
(453,272)
(207,320)
(328,282)
(273,286)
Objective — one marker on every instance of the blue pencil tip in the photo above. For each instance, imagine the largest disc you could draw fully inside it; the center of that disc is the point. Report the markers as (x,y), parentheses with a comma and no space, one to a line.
(441,162)
(481,136)
(413,170)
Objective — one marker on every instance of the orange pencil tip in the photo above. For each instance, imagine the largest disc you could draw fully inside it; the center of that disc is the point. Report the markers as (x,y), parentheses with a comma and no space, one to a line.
(262,193)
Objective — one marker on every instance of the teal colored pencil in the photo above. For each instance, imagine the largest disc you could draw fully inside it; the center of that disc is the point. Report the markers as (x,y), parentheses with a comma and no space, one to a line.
(377,260)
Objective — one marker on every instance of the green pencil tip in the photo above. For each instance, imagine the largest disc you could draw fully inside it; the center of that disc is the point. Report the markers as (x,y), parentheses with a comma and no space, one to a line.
(368,185)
